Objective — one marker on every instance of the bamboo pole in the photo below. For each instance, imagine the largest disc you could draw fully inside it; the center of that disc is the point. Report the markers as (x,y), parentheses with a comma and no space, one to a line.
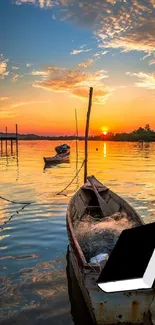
(1,146)
(16,132)
(11,146)
(17,141)
(86,133)
(76,139)
(76,123)
(6,142)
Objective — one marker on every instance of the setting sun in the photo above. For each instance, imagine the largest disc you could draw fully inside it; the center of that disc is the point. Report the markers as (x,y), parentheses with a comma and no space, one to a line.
(104,130)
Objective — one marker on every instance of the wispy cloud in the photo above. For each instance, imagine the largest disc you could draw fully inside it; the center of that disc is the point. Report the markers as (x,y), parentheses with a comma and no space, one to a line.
(40,3)
(15,67)
(3,98)
(151,62)
(145,56)
(75,52)
(100,54)
(124,24)
(29,103)
(127,25)
(76,82)
(16,77)
(7,114)
(19,2)
(82,46)
(86,64)
(3,67)
(39,73)
(146,80)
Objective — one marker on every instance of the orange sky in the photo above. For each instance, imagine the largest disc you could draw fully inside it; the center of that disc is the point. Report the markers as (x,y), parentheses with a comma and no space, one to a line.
(56,115)
(53,61)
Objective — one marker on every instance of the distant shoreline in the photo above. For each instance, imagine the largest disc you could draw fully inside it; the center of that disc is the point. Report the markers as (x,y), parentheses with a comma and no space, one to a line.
(81,139)
(140,135)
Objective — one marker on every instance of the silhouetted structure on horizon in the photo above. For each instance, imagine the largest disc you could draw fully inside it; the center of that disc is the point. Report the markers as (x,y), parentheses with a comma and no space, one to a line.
(9,137)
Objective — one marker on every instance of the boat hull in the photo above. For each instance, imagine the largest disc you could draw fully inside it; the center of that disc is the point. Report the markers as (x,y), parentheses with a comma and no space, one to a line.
(59,158)
(125,307)
(106,308)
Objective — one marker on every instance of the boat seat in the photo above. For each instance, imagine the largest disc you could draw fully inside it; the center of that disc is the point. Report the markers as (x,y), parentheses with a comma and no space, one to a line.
(93,207)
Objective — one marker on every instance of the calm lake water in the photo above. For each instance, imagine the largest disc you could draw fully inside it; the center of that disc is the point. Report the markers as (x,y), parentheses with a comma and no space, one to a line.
(35,285)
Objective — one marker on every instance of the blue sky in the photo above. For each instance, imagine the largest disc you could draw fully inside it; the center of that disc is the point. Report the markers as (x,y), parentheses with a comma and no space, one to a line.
(53,50)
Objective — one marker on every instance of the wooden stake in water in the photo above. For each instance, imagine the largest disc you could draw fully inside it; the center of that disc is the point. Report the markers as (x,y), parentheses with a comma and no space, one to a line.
(17,141)
(86,133)
(6,142)
(76,139)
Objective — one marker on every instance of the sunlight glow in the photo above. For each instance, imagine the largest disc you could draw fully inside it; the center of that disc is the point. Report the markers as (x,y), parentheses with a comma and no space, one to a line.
(104,130)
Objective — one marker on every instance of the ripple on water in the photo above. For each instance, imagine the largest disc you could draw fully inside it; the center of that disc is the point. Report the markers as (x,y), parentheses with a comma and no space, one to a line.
(33,281)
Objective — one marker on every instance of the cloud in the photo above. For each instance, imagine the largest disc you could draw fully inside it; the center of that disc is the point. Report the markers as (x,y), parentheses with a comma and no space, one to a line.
(146,80)
(151,62)
(19,2)
(7,114)
(28,65)
(82,46)
(99,54)
(118,24)
(39,73)
(86,64)
(29,103)
(40,3)
(15,67)
(76,82)
(75,52)
(3,98)
(16,77)
(146,56)
(3,67)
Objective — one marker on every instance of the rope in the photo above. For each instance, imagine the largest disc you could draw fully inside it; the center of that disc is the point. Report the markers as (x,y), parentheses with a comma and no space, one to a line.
(28,203)
(15,202)
(71,180)
(5,222)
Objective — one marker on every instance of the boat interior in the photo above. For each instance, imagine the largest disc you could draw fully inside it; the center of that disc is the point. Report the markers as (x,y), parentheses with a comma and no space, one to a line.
(99,216)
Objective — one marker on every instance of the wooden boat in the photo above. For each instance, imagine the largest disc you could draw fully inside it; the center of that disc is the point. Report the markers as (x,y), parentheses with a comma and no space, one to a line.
(96,216)
(92,199)
(79,310)
(58,158)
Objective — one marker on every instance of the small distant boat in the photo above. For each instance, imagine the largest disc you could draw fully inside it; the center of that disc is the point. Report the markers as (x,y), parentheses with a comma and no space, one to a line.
(63,153)
(59,158)
(62,148)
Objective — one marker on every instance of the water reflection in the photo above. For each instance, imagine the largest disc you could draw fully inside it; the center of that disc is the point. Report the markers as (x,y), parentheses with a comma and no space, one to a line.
(79,309)
(9,154)
(33,283)
(39,296)
(104,150)
(53,165)
(144,148)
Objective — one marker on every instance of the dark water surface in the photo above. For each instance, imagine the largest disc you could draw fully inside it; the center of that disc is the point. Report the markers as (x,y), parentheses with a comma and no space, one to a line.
(36,282)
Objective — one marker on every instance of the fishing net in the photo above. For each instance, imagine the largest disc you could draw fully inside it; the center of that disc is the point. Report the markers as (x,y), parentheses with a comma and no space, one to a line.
(96,235)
